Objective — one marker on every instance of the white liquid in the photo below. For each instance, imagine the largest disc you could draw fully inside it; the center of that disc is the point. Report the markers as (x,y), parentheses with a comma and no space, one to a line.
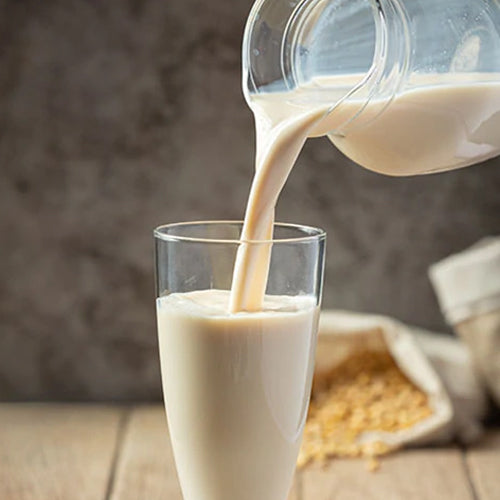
(236,389)
(432,127)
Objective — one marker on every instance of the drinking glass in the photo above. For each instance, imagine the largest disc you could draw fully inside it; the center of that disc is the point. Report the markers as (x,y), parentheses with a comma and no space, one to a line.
(236,386)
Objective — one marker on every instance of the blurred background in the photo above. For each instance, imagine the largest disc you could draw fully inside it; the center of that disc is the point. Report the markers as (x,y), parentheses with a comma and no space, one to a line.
(117,116)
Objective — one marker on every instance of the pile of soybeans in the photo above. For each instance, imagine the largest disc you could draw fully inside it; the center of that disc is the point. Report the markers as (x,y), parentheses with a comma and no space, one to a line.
(365,392)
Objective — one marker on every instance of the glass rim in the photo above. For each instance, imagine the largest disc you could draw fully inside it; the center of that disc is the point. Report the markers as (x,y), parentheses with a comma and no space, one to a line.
(311,233)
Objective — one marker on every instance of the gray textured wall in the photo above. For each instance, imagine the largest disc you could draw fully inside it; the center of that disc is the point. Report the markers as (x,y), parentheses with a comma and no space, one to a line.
(116,116)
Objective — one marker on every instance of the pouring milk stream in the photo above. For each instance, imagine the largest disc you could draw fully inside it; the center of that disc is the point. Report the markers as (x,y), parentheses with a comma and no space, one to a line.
(396,118)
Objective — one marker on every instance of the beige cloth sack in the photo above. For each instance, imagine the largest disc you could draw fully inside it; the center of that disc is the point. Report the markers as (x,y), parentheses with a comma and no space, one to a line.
(340,333)
(468,288)
(453,363)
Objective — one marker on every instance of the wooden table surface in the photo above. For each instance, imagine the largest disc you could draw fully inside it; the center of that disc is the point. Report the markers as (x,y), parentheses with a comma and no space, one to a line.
(88,452)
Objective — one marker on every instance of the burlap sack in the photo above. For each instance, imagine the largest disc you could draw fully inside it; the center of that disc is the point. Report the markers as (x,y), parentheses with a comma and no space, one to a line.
(341,333)
(468,288)
(452,361)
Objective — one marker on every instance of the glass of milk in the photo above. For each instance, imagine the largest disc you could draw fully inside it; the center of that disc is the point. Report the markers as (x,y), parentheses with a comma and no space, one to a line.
(236,384)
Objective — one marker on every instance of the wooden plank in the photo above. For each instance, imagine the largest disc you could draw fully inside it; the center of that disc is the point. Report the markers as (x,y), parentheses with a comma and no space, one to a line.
(56,452)
(483,462)
(146,467)
(427,474)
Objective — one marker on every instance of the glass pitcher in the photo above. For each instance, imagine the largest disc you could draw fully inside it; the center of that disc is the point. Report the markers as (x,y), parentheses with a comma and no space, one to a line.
(410,86)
